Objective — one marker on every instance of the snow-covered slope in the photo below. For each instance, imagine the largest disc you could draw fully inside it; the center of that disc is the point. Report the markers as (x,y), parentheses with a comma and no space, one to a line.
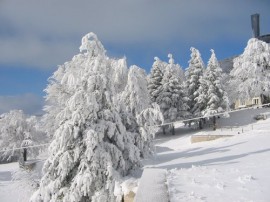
(229,169)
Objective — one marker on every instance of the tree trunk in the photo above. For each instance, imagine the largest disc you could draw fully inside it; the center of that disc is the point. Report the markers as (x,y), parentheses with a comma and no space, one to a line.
(214,123)
(201,123)
(163,130)
(173,131)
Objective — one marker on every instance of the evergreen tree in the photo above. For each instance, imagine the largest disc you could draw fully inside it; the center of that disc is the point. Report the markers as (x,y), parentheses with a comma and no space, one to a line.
(250,76)
(90,147)
(136,96)
(217,100)
(172,99)
(148,120)
(120,74)
(201,97)
(193,75)
(134,100)
(155,79)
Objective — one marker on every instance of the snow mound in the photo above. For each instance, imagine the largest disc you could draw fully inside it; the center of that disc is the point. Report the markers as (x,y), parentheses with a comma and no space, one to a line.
(91,45)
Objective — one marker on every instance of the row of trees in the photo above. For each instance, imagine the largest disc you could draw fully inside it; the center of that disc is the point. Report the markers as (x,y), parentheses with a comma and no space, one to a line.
(100,117)
(197,92)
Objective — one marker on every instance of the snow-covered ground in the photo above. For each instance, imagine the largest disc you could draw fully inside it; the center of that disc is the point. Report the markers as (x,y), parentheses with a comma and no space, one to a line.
(8,192)
(228,169)
(17,185)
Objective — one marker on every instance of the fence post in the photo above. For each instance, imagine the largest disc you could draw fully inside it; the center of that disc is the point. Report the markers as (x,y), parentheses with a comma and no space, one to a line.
(24,154)
(173,131)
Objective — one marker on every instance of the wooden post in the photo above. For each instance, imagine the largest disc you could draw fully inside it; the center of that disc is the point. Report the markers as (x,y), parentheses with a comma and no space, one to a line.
(163,130)
(214,123)
(24,154)
(200,124)
(173,131)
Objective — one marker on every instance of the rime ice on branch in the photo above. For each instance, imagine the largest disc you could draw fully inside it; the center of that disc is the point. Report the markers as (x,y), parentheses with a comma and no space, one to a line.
(91,147)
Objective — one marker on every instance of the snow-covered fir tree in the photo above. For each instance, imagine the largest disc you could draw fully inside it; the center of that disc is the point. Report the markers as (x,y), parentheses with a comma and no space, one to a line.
(217,99)
(201,97)
(120,74)
(172,98)
(136,96)
(57,93)
(90,147)
(193,74)
(148,120)
(155,79)
(18,130)
(250,76)
(133,101)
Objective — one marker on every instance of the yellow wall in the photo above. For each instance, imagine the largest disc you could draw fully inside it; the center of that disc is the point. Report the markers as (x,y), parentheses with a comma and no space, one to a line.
(247,103)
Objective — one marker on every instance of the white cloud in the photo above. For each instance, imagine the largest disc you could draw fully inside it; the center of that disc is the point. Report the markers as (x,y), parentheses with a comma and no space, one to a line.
(29,103)
(46,33)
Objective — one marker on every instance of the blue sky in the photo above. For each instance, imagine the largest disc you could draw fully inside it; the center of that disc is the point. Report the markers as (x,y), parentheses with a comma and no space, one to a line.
(36,36)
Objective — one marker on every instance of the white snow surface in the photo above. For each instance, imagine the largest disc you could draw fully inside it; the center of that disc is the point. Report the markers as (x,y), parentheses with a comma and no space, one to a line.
(152,186)
(8,191)
(228,169)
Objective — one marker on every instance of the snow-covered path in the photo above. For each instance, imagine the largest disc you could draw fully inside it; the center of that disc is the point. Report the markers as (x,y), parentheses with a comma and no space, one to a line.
(16,185)
(7,188)
(230,169)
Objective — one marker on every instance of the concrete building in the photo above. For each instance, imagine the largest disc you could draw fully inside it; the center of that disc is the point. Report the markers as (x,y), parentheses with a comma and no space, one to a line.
(248,103)
(255,24)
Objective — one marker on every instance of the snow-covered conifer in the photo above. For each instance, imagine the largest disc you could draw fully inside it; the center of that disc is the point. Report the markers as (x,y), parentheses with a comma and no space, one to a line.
(136,96)
(135,106)
(217,100)
(90,146)
(155,79)
(120,74)
(250,76)
(201,97)
(172,99)
(193,75)
(57,94)
(148,120)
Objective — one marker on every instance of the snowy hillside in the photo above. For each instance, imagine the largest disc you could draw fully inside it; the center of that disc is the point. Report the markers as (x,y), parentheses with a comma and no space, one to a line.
(229,169)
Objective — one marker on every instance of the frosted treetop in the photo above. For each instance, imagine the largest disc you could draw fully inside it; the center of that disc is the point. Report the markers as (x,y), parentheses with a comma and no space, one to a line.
(91,45)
